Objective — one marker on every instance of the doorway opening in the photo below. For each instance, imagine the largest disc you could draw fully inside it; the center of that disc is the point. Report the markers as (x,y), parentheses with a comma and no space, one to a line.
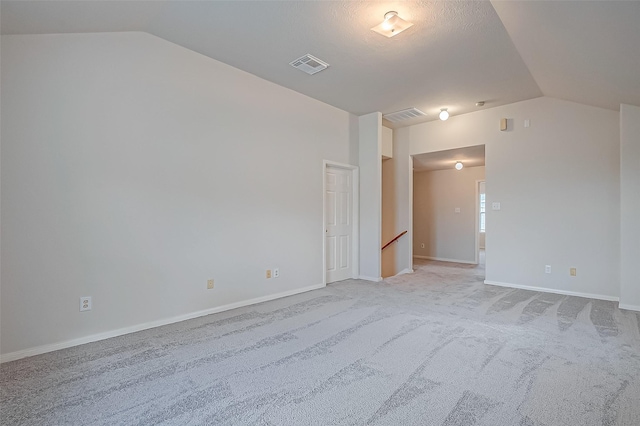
(446,206)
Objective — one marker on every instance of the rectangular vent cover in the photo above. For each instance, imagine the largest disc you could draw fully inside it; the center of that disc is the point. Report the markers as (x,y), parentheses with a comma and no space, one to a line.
(405,114)
(309,64)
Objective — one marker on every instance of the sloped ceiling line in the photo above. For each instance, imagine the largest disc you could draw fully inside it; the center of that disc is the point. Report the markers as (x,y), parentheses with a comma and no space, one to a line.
(456,54)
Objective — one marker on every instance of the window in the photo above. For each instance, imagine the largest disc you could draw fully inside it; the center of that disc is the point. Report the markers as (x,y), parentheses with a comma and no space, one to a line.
(482,204)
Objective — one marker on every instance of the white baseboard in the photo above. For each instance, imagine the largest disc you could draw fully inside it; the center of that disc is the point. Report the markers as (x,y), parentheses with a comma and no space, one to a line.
(553,290)
(443,259)
(366,278)
(405,271)
(629,307)
(12,356)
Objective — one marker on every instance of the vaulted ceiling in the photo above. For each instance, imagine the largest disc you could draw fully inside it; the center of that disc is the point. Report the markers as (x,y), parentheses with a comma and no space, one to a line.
(456,54)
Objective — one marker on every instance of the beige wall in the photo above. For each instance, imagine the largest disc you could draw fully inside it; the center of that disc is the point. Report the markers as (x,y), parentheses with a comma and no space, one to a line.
(446,234)
(630,206)
(558,182)
(396,189)
(389,230)
(403,181)
(134,170)
(370,162)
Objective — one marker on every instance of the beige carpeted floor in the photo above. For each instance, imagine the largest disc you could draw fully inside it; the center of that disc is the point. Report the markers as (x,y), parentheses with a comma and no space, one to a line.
(437,347)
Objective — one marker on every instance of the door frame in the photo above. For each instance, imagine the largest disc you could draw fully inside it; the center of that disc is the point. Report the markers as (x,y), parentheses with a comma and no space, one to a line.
(477,220)
(355,219)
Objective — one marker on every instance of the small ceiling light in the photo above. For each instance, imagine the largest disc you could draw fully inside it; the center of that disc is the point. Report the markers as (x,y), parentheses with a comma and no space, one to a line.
(444,114)
(392,25)
(479,104)
(459,165)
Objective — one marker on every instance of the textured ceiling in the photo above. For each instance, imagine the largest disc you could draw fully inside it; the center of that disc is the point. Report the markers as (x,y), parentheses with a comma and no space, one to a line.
(457,52)
(587,52)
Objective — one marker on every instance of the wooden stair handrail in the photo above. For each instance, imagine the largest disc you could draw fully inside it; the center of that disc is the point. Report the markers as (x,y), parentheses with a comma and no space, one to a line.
(394,240)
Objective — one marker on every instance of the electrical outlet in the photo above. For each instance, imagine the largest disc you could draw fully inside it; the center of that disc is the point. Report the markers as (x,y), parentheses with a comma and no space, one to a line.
(547,269)
(268,273)
(85,303)
(573,272)
(209,284)
(276,273)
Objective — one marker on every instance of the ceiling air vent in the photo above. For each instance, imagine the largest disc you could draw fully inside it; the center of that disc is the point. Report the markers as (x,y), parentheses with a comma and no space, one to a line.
(309,64)
(405,114)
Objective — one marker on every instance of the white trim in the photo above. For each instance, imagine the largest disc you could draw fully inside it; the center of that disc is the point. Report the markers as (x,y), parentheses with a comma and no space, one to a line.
(355,245)
(355,217)
(405,271)
(477,221)
(12,356)
(375,280)
(410,213)
(444,259)
(553,290)
(629,307)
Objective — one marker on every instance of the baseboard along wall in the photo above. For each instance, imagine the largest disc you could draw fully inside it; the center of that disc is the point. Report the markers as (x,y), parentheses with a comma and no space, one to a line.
(12,356)
(629,307)
(366,278)
(555,291)
(444,259)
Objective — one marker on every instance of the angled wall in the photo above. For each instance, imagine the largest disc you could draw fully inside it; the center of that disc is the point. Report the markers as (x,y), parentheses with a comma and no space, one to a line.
(134,170)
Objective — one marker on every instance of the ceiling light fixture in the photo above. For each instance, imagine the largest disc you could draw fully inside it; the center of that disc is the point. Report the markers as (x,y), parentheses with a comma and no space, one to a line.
(392,25)
(459,165)
(444,114)
(479,104)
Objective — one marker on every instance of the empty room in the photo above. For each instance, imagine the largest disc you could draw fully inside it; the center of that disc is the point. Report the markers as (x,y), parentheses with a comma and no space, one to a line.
(319,212)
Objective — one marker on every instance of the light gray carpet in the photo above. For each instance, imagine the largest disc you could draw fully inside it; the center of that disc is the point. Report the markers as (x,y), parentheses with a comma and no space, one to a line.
(436,347)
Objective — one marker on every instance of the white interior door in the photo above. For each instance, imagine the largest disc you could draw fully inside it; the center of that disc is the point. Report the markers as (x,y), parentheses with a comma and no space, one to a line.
(338,223)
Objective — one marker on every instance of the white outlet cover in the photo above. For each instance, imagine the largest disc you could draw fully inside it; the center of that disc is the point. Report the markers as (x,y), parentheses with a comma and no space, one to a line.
(457,209)
(276,272)
(495,205)
(85,303)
